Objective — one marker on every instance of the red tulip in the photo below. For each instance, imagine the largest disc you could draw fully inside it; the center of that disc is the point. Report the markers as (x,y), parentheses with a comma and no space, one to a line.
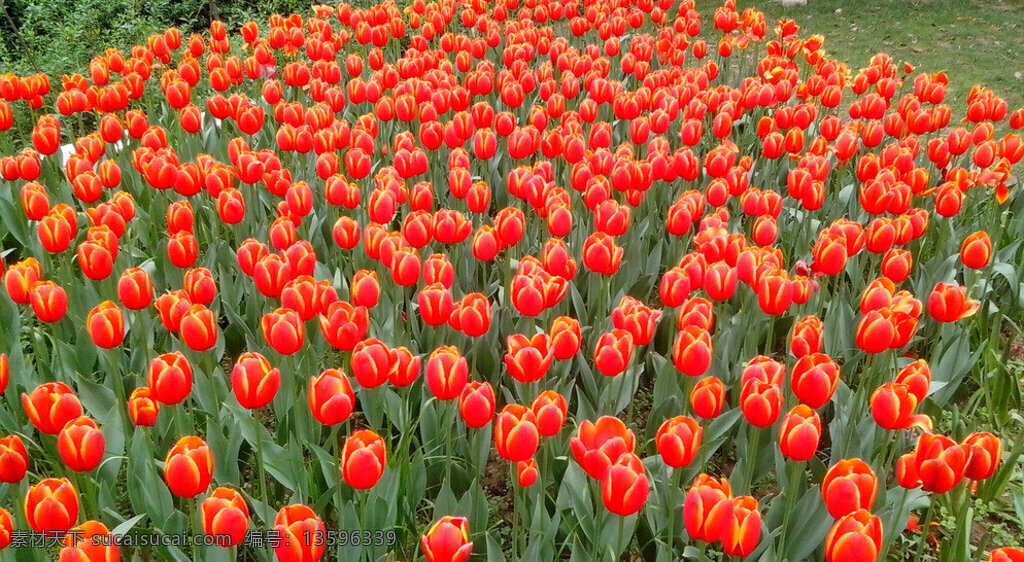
(50,406)
(363,459)
(198,328)
(371,363)
(344,325)
(691,352)
(708,398)
(447,372)
(447,540)
(80,444)
(225,516)
(284,331)
(89,541)
(613,352)
(624,486)
(976,250)
(515,433)
(986,452)
(476,404)
(799,433)
(254,381)
(855,537)
(13,459)
(135,289)
(948,303)
(188,468)
(142,407)
(49,301)
(939,462)
(848,486)
(601,254)
(598,445)
(528,360)
(300,530)
(105,325)
(705,508)
(678,440)
(51,505)
(815,378)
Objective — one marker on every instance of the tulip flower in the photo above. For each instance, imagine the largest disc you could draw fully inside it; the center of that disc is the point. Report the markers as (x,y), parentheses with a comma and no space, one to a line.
(976,251)
(447,372)
(49,301)
(300,530)
(601,254)
(705,508)
(624,486)
(986,452)
(760,402)
(528,360)
(565,338)
(225,515)
(170,378)
(330,397)
(678,440)
(363,459)
(855,537)
(6,528)
(80,444)
(476,404)
(143,407)
(550,411)
(447,540)
(807,337)
(938,462)
(799,433)
(516,436)
(364,289)
(597,445)
(849,485)
(742,527)
(84,543)
(814,379)
(105,325)
(253,381)
(13,459)
(691,352)
(344,325)
(198,328)
(526,473)
(371,363)
(707,398)
(188,467)
(892,406)
(1006,554)
(948,303)
(51,505)
(50,406)
(613,352)
(284,331)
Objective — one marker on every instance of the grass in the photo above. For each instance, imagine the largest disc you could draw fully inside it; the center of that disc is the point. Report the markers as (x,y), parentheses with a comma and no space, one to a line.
(974,41)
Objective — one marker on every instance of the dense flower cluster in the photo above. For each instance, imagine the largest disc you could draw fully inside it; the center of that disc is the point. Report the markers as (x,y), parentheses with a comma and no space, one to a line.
(351,266)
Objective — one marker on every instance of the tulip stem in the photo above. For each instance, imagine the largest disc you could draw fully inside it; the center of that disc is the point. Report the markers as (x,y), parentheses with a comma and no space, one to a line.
(259,463)
(675,483)
(795,471)
(925,526)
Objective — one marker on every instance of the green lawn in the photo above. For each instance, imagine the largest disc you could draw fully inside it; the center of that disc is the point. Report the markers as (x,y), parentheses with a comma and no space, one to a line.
(974,41)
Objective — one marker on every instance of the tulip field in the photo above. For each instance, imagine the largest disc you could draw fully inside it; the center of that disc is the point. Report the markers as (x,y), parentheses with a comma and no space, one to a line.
(583,280)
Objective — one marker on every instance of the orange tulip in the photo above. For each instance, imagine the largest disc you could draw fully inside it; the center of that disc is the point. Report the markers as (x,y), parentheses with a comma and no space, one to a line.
(330,397)
(848,486)
(253,381)
(89,541)
(516,436)
(142,407)
(105,325)
(976,250)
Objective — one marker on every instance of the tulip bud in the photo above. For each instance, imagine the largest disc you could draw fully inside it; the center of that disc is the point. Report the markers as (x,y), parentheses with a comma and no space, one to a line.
(447,372)
(142,407)
(13,459)
(848,486)
(855,537)
(624,487)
